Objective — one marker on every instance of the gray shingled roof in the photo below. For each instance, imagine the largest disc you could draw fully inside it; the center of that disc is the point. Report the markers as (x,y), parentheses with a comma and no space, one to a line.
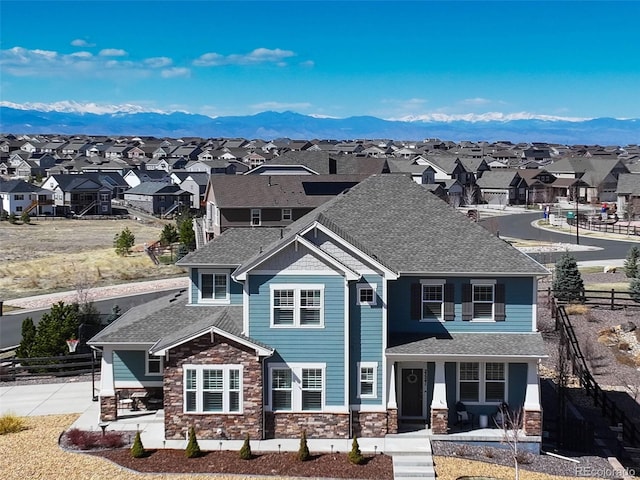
(394,220)
(497,179)
(629,184)
(471,344)
(168,321)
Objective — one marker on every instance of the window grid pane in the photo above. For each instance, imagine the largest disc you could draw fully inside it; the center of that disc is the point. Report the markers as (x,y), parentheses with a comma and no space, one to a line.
(281,389)
(432,297)
(283,303)
(220,290)
(469,371)
(495,371)
(366,381)
(366,295)
(206,285)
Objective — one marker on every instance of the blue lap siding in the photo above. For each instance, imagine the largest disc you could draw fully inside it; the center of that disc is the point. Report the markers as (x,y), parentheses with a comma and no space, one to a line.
(129,366)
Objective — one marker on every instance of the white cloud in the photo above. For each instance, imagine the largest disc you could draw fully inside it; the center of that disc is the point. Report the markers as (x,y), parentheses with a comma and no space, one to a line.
(79,42)
(112,52)
(158,62)
(257,56)
(475,101)
(175,72)
(82,54)
(278,106)
(308,64)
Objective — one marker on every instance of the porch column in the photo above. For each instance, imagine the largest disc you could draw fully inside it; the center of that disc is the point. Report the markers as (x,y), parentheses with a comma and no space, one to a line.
(392,403)
(439,408)
(532,411)
(108,401)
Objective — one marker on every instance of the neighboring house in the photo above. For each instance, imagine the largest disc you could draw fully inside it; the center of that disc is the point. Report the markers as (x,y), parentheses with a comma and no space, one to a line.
(157,198)
(267,201)
(81,194)
(629,195)
(195,183)
(366,316)
(332,163)
(19,197)
(501,187)
(136,177)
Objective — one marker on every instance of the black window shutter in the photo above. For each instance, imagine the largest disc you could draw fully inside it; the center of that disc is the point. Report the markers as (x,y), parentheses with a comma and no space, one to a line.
(416,301)
(467,305)
(499,303)
(449,302)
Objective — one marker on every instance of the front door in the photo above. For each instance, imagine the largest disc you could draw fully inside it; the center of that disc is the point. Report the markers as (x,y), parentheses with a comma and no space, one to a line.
(412,393)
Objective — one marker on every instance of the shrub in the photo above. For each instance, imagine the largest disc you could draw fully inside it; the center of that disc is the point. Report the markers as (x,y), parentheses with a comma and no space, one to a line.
(10,423)
(634,289)
(137,449)
(3,215)
(169,235)
(193,449)
(303,451)
(25,218)
(85,440)
(110,439)
(12,218)
(245,451)
(524,458)
(575,309)
(355,455)
(568,285)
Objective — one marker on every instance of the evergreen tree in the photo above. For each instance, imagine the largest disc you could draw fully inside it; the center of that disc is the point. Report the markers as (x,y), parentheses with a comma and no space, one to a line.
(245,451)
(355,455)
(28,338)
(13,219)
(55,328)
(631,262)
(137,449)
(123,242)
(567,285)
(303,451)
(185,229)
(25,218)
(634,288)
(193,449)
(169,235)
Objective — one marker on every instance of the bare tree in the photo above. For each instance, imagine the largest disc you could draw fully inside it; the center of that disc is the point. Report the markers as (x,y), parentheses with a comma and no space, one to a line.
(511,422)
(469,195)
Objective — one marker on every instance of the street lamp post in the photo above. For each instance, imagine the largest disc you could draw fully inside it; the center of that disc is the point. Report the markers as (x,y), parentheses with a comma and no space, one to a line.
(577,220)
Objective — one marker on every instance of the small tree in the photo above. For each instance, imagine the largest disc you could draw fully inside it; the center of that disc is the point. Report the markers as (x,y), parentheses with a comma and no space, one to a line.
(303,451)
(193,449)
(137,449)
(245,451)
(185,229)
(55,328)
(511,422)
(123,242)
(355,455)
(169,235)
(567,284)
(13,219)
(631,262)
(634,288)
(3,214)
(25,218)
(28,338)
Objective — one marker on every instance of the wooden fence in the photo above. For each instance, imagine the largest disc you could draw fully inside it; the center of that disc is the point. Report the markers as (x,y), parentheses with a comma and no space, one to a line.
(606,227)
(60,366)
(608,407)
(612,299)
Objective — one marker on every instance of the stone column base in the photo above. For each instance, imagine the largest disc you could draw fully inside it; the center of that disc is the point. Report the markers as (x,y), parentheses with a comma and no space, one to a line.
(392,420)
(532,422)
(439,420)
(108,409)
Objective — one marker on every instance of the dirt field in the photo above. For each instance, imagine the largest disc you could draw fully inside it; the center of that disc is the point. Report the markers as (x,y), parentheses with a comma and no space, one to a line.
(63,254)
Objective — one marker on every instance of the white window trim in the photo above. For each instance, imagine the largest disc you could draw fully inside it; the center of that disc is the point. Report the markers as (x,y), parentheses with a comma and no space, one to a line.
(482,380)
(484,282)
(366,286)
(218,301)
(259,217)
(373,365)
(225,397)
(149,358)
(296,385)
(297,287)
(431,282)
(289,216)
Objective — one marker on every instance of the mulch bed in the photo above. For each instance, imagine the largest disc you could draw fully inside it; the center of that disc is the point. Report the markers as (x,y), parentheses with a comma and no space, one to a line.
(378,467)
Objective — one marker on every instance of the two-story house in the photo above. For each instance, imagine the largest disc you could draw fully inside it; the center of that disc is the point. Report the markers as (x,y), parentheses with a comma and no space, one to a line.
(383,306)
(19,197)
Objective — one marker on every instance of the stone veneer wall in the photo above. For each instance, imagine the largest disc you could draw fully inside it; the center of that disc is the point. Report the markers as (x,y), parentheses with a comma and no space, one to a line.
(370,424)
(108,409)
(392,421)
(439,420)
(532,422)
(317,425)
(202,351)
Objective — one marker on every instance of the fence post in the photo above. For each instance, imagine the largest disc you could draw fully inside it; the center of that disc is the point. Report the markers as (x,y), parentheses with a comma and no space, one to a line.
(613,298)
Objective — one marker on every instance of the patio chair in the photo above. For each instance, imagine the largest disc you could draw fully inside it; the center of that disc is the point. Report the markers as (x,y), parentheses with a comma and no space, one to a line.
(463,417)
(125,402)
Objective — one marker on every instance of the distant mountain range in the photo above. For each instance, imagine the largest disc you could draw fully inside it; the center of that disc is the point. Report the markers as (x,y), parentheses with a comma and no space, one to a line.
(271,125)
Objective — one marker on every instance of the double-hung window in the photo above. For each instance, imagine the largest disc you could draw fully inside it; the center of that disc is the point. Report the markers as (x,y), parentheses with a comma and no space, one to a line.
(297,387)
(286,214)
(483,302)
(256,217)
(367,379)
(153,365)
(214,286)
(482,382)
(213,389)
(432,301)
(297,305)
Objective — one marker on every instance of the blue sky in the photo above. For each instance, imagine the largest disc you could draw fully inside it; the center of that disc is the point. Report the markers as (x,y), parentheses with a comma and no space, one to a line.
(393,60)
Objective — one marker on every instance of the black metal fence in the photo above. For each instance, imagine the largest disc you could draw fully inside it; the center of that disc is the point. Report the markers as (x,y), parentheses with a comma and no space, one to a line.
(579,368)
